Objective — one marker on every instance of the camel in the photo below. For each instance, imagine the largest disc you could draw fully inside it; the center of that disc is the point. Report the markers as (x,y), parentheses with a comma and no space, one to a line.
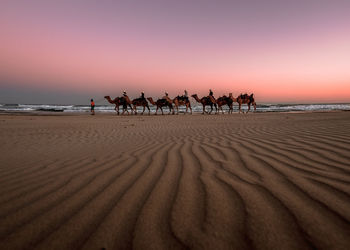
(118,101)
(160,103)
(226,100)
(206,101)
(140,102)
(182,100)
(246,99)
(127,101)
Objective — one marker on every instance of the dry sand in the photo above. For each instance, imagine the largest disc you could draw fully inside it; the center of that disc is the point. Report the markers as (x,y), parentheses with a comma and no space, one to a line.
(264,181)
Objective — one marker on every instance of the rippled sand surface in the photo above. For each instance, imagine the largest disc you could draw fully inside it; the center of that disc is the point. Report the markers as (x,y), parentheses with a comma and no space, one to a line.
(256,181)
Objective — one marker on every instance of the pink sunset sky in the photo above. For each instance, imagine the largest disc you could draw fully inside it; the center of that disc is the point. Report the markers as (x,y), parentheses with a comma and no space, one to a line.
(282,51)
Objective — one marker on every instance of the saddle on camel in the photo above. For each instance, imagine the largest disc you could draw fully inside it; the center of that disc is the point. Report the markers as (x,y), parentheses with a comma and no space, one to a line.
(141,101)
(180,101)
(226,100)
(118,101)
(246,99)
(205,101)
(160,103)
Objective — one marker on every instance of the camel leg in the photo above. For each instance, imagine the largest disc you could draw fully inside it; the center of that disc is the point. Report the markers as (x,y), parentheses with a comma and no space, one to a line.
(248,108)
(144,107)
(211,109)
(161,109)
(203,109)
(149,111)
(190,108)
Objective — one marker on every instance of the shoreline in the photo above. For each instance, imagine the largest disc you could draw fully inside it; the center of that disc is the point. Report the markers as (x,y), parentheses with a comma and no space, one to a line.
(109,113)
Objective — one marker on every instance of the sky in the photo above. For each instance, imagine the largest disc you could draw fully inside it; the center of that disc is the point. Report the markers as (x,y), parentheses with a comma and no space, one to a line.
(283,51)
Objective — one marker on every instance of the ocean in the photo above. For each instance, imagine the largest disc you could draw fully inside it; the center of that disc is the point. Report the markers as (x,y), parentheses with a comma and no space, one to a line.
(195,107)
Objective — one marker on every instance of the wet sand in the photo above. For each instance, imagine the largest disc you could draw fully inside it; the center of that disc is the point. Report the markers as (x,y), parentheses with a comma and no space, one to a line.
(256,181)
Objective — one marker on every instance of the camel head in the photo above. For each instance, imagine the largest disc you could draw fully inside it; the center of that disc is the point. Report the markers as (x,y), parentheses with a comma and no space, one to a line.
(195,96)
(150,99)
(109,99)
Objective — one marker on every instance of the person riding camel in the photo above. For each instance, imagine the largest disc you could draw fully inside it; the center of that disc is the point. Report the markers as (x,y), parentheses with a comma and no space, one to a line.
(212,98)
(124,93)
(185,96)
(142,95)
(166,95)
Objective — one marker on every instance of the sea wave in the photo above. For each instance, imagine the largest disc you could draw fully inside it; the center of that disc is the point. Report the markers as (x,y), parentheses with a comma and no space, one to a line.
(195,107)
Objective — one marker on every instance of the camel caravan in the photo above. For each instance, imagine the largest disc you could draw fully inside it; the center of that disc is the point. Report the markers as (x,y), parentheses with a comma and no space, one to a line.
(173,104)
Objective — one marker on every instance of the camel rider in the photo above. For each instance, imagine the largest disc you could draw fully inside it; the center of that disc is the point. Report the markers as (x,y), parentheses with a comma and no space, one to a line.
(142,95)
(212,98)
(166,95)
(185,96)
(124,93)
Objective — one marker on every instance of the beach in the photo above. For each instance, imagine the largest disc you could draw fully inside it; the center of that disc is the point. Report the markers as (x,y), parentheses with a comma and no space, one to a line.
(241,181)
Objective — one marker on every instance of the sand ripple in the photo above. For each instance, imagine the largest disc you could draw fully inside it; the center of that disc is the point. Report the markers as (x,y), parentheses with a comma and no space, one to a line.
(256,181)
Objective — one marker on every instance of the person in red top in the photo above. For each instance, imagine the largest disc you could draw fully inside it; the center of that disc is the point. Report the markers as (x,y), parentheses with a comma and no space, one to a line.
(92,103)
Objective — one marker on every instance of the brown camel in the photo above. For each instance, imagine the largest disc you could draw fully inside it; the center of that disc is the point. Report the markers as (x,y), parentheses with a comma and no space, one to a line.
(160,103)
(246,99)
(182,100)
(140,102)
(206,101)
(118,101)
(127,100)
(225,100)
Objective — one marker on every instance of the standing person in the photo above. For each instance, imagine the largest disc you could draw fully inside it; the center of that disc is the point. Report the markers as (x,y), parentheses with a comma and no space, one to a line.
(92,105)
